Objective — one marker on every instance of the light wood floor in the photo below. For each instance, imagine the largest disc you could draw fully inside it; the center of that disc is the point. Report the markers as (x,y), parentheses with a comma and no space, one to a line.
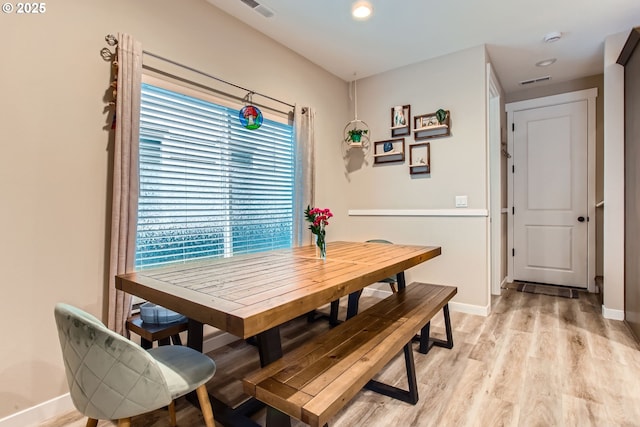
(536,360)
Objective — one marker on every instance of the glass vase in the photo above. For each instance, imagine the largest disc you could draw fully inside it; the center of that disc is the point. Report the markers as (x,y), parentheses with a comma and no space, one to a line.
(321,246)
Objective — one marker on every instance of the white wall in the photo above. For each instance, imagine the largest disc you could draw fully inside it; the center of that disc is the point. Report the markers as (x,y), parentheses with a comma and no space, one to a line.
(454,82)
(54,164)
(613,263)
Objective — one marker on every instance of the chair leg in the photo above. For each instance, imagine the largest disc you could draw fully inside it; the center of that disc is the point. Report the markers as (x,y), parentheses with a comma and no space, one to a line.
(91,422)
(124,422)
(393,288)
(172,413)
(205,405)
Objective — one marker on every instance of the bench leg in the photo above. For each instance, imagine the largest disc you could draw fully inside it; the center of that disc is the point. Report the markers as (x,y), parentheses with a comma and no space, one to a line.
(426,343)
(409,396)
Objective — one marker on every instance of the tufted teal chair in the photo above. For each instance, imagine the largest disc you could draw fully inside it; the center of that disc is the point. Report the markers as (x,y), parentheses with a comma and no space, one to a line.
(112,378)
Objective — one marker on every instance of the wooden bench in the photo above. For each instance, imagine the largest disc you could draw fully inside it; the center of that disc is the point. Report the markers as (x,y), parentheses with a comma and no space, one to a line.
(314,381)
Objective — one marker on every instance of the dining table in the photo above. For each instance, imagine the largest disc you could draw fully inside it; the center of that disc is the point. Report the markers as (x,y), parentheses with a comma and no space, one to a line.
(252,295)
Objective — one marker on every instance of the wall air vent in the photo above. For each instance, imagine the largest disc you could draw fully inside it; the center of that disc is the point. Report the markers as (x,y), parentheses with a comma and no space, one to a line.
(536,80)
(260,8)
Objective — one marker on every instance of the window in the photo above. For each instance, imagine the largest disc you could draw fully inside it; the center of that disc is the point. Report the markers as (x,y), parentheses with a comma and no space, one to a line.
(208,186)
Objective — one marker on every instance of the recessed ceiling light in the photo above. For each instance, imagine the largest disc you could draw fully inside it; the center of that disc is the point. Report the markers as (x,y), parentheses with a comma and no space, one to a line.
(361,10)
(545,62)
(552,37)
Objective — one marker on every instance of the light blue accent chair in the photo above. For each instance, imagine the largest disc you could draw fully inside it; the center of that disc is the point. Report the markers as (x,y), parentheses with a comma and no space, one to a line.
(112,378)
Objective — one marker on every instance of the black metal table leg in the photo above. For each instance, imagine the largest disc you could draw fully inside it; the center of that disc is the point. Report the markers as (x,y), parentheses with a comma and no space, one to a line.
(313,315)
(270,349)
(401,280)
(352,306)
(333,314)
(195,335)
(224,414)
(354,297)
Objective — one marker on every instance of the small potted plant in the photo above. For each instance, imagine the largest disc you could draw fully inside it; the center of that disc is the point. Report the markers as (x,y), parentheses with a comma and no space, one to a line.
(355,135)
(441,116)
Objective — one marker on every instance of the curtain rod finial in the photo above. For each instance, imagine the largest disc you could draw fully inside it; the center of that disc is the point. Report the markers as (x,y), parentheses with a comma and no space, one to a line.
(111,40)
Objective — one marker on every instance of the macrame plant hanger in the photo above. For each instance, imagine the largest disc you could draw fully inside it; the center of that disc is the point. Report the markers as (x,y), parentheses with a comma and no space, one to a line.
(356,133)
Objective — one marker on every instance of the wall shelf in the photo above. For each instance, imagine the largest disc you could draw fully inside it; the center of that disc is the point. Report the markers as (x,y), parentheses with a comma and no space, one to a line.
(400,120)
(420,158)
(389,151)
(426,126)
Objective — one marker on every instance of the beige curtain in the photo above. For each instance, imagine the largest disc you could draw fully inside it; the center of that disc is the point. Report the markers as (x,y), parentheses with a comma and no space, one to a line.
(124,210)
(304,122)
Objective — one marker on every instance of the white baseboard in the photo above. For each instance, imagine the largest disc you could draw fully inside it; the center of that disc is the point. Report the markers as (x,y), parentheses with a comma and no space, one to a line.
(503,283)
(217,341)
(453,306)
(609,313)
(477,310)
(373,292)
(36,415)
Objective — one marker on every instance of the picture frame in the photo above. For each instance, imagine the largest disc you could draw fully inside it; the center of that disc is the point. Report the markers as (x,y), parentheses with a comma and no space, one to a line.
(388,151)
(420,158)
(400,120)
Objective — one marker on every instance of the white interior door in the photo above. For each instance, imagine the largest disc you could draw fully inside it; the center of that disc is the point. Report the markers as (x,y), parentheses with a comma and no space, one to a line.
(550,194)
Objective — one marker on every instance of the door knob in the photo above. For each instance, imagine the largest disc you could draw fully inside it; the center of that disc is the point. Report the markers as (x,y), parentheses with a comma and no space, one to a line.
(581,218)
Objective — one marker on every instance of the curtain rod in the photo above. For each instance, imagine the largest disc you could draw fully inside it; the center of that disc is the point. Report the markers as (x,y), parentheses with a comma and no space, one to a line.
(215,78)
(209,88)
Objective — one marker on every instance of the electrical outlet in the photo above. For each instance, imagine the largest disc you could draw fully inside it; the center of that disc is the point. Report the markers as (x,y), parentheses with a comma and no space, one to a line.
(461,201)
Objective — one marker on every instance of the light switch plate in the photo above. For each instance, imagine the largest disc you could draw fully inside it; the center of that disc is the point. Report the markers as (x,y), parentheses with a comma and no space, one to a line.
(461,201)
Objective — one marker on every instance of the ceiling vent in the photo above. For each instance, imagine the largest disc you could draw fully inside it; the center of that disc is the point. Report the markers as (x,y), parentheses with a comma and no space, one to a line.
(536,80)
(260,8)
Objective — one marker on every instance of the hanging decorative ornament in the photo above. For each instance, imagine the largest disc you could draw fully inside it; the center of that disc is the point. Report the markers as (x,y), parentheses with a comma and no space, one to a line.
(356,132)
(250,116)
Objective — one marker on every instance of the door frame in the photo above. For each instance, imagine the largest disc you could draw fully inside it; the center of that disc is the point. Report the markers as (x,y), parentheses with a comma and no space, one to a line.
(590,96)
(494,137)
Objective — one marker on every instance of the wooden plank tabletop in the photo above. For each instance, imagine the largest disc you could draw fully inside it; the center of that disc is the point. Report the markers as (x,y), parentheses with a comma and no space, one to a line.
(248,294)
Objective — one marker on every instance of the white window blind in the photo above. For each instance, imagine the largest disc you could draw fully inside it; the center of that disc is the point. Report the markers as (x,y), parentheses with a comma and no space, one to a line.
(208,186)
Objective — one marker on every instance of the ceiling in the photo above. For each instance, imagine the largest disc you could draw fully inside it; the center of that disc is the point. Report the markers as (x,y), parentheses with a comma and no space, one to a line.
(402,32)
